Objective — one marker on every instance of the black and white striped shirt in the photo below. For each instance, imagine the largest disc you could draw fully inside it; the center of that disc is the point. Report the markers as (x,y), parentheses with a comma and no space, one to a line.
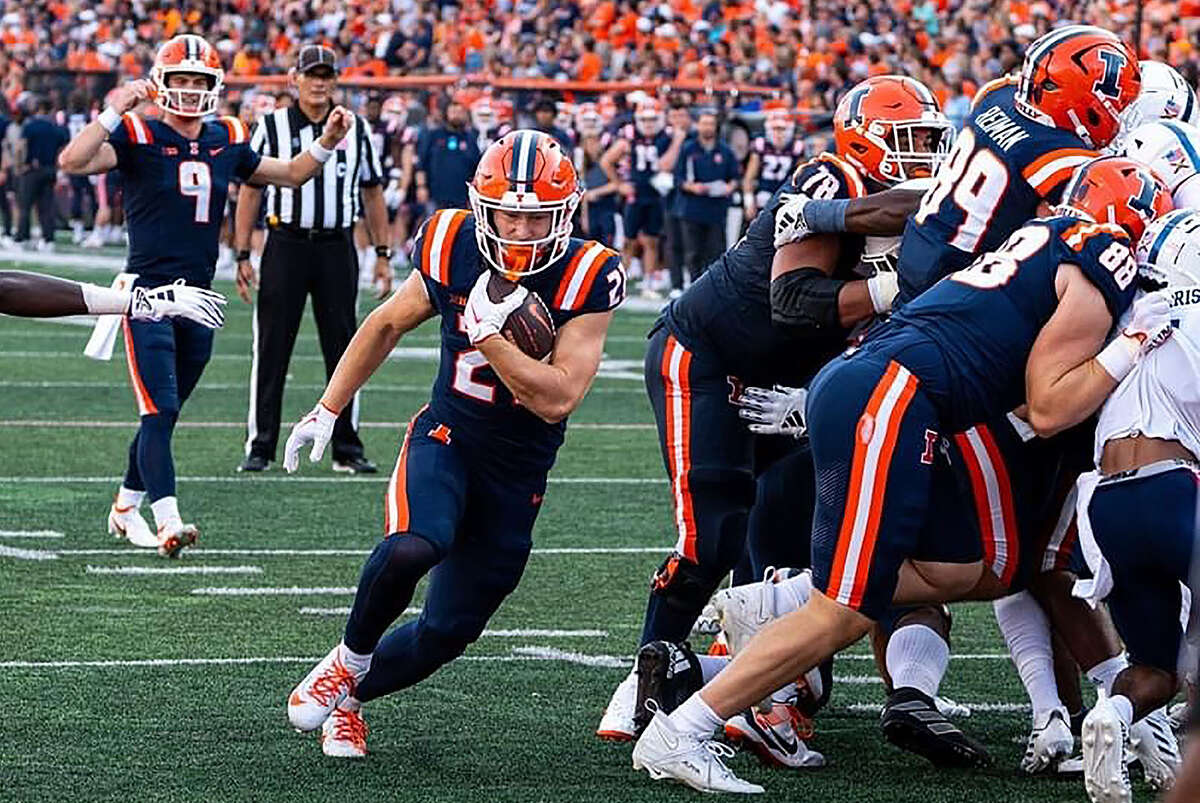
(330,199)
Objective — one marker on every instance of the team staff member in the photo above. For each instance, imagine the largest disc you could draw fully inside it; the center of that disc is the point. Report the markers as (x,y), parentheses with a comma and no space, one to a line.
(446,160)
(309,250)
(706,174)
(43,139)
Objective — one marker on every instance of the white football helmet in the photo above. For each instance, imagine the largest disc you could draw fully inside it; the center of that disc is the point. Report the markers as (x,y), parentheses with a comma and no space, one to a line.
(1169,251)
(780,129)
(650,118)
(1164,96)
(881,254)
(483,115)
(1172,150)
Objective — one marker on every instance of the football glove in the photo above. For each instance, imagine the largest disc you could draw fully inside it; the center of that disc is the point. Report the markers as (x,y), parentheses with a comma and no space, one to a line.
(315,428)
(484,317)
(775,411)
(178,300)
(1148,327)
(790,225)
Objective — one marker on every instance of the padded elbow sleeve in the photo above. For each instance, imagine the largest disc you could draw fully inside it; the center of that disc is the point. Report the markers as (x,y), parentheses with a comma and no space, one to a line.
(806,298)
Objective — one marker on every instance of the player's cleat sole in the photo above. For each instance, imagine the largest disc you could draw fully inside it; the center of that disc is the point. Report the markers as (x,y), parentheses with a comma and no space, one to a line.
(667,674)
(170,545)
(912,722)
(1105,772)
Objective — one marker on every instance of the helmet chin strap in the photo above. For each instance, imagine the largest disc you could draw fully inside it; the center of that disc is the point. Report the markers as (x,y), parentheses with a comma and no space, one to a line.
(1080,130)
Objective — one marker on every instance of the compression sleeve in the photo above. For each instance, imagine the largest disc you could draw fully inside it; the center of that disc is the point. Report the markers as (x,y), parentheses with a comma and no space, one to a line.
(806,299)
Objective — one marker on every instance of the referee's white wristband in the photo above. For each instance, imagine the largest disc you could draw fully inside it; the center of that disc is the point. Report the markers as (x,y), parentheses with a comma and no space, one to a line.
(1119,356)
(320,152)
(110,118)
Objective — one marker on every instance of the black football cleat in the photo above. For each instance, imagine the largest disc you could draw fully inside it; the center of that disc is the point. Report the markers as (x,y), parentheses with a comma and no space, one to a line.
(912,722)
(355,465)
(254,464)
(668,674)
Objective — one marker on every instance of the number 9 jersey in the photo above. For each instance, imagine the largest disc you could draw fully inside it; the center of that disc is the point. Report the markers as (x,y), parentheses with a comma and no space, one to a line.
(1003,166)
(175,191)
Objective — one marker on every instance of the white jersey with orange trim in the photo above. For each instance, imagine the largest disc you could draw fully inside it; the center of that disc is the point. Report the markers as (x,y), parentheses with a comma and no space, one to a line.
(1002,168)
(467,395)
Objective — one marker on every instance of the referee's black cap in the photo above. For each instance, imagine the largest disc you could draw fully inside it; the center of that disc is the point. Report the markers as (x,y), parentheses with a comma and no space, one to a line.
(313,57)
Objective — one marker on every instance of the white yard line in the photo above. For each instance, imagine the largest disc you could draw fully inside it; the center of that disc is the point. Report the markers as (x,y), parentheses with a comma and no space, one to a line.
(233,479)
(155,570)
(30,534)
(273,591)
(26,554)
(342,611)
(976,707)
(552,654)
(241,425)
(321,553)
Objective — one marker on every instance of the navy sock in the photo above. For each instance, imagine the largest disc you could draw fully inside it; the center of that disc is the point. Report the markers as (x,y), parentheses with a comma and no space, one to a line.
(389,578)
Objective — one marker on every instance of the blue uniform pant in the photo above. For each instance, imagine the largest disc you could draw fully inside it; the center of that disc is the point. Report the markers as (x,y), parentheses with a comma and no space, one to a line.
(445,510)
(165,359)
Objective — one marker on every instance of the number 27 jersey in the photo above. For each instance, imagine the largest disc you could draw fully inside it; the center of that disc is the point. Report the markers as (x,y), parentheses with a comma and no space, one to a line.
(1002,167)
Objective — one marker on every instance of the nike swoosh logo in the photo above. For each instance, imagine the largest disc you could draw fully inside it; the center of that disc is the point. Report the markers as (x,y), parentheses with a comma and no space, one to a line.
(215,151)
(771,736)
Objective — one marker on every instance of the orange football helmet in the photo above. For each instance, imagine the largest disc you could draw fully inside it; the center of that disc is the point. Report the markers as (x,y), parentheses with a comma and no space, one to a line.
(649,118)
(1079,78)
(892,129)
(779,127)
(1113,189)
(187,53)
(524,171)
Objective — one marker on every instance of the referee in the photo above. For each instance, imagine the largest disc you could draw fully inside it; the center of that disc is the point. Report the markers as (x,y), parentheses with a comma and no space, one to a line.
(309,250)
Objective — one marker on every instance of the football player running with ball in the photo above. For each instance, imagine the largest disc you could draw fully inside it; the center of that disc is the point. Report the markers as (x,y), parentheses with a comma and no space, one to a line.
(176,173)
(472,469)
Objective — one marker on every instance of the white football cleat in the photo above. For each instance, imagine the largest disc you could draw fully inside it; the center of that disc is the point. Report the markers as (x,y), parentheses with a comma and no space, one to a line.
(709,622)
(745,610)
(329,683)
(1049,742)
(773,737)
(950,709)
(127,523)
(665,752)
(1105,774)
(172,539)
(616,725)
(344,734)
(1153,744)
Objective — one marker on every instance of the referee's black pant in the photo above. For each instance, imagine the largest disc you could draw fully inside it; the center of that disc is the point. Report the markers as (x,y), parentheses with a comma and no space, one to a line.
(293,267)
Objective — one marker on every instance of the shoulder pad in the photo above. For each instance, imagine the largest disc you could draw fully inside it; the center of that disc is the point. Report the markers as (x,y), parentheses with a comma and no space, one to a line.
(138,130)
(847,171)
(435,243)
(1054,167)
(992,86)
(580,274)
(237,131)
(1078,235)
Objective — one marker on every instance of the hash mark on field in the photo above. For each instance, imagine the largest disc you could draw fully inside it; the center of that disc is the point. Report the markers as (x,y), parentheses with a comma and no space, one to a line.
(140,570)
(380,480)
(30,534)
(269,591)
(566,550)
(27,554)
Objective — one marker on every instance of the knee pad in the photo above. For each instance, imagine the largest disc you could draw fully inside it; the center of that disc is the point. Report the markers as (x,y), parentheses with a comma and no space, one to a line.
(685,585)
(405,553)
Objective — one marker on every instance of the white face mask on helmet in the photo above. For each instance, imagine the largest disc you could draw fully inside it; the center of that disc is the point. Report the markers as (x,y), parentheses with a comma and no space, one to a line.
(190,54)
(1168,254)
(1164,96)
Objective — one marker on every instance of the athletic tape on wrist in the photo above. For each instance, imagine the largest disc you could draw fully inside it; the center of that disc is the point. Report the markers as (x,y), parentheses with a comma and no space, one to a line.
(822,215)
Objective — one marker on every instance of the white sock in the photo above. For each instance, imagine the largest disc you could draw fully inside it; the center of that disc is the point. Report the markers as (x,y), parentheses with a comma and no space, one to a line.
(130,498)
(166,513)
(792,594)
(104,300)
(355,662)
(711,665)
(917,658)
(224,253)
(1027,632)
(1124,708)
(1105,672)
(696,718)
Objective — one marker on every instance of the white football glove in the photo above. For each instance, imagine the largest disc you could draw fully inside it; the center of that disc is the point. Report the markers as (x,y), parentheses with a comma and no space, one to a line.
(774,411)
(484,317)
(1148,327)
(315,428)
(179,300)
(789,219)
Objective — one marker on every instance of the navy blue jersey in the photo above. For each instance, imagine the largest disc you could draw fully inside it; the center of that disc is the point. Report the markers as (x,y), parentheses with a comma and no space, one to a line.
(174,193)
(468,397)
(644,153)
(774,165)
(728,310)
(982,321)
(448,157)
(1002,167)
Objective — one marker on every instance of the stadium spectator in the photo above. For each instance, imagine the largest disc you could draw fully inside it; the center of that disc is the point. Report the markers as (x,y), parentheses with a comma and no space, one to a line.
(543,120)
(706,175)
(446,160)
(37,166)
(6,210)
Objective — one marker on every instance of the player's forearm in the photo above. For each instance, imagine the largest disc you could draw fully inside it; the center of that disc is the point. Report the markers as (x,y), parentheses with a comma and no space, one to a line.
(368,349)
(249,202)
(375,214)
(608,163)
(667,161)
(881,215)
(854,304)
(31,295)
(78,154)
(1060,402)
(544,389)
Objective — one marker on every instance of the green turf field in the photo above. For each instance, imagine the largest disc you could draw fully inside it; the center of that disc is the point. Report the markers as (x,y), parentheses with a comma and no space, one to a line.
(168,687)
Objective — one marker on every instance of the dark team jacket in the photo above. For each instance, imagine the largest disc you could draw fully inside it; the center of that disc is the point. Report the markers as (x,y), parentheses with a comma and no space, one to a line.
(468,397)
(174,194)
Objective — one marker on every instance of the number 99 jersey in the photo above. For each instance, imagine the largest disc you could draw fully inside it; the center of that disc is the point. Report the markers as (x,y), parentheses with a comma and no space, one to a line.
(1002,167)
(984,319)
(175,191)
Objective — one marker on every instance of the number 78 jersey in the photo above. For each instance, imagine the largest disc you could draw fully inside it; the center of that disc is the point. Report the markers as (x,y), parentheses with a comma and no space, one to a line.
(985,318)
(1003,166)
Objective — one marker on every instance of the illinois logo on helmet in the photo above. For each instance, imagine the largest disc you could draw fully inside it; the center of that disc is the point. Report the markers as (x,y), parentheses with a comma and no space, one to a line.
(187,53)
(1079,78)
(1113,189)
(892,129)
(524,172)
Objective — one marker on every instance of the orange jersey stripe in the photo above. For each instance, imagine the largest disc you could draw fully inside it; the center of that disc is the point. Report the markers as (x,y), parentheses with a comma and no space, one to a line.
(585,287)
(979,493)
(145,403)
(456,222)
(1012,539)
(561,295)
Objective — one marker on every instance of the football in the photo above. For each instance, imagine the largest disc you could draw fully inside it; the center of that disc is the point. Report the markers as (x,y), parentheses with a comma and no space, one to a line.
(529,327)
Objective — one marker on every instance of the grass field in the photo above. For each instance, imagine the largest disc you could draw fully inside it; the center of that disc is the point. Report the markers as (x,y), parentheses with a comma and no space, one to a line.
(151,686)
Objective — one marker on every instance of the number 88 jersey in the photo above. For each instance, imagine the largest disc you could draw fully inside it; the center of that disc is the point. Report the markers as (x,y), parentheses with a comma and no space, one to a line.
(1003,166)
(174,194)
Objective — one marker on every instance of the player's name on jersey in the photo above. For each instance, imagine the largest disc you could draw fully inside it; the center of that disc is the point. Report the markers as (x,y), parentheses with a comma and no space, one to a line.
(1185,296)
(1003,130)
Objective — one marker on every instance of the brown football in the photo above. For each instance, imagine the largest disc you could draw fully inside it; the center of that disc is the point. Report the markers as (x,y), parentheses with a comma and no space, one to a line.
(529,327)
